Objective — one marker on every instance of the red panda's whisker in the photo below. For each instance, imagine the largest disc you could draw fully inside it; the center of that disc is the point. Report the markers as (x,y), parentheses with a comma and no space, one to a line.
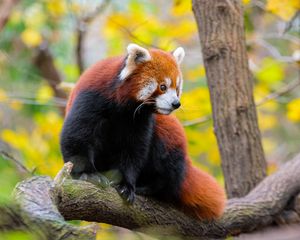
(139,107)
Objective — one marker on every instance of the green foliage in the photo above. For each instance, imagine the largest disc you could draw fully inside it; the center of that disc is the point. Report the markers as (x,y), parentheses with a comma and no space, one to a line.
(9,179)
(18,235)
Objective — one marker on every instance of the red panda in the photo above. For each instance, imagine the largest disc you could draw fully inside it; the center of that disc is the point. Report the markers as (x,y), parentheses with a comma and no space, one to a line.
(117,118)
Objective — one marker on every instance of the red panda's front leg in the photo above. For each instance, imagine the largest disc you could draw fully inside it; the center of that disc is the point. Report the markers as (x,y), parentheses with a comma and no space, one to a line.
(134,159)
(130,168)
(126,187)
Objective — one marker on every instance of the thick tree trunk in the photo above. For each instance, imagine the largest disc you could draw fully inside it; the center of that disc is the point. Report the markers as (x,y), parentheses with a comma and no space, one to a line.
(221,31)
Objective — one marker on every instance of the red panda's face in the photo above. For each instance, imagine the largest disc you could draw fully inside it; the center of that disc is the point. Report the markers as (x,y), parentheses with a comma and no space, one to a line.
(153,77)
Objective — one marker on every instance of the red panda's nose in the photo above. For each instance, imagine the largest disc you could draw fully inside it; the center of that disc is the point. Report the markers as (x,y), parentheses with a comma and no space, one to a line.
(176,104)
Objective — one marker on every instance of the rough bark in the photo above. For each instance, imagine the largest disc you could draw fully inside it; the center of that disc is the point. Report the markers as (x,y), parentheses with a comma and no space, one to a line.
(37,211)
(39,197)
(221,31)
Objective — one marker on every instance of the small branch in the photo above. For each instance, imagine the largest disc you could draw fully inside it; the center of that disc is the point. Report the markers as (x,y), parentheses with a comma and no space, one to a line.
(22,168)
(45,63)
(63,174)
(82,28)
(131,35)
(280,92)
(197,121)
(274,95)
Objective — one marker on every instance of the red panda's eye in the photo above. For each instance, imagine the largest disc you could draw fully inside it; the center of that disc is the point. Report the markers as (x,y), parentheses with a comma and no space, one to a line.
(163,87)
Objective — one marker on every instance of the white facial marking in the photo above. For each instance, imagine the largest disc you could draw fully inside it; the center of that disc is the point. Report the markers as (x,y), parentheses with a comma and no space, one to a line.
(136,55)
(147,90)
(179,54)
(164,101)
(168,82)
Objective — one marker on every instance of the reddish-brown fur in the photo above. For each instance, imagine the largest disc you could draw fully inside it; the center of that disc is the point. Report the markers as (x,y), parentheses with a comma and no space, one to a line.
(97,77)
(200,194)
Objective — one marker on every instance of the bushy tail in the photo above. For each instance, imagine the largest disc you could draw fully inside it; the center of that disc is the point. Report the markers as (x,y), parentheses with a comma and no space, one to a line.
(201,196)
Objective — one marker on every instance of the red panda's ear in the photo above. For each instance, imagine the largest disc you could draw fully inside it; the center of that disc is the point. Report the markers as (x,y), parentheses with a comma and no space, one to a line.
(179,54)
(136,56)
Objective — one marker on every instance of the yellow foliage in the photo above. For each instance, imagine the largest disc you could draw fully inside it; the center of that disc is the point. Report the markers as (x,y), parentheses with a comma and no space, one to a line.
(268,145)
(184,29)
(146,28)
(271,71)
(195,104)
(3,96)
(283,8)
(194,73)
(246,1)
(293,110)
(56,8)
(272,168)
(16,105)
(39,146)
(44,94)
(266,121)
(181,7)
(31,37)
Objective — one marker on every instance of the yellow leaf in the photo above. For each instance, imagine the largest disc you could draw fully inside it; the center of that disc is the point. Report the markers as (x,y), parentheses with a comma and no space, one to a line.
(246,1)
(3,96)
(31,37)
(182,7)
(271,71)
(283,8)
(16,105)
(56,7)
(272,168)
(293,110)
(44,94)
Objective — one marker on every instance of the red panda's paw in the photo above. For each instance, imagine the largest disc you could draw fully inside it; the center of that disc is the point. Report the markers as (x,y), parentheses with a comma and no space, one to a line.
(127,192)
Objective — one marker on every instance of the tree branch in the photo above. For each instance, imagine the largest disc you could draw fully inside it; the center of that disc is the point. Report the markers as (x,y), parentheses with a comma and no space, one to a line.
(45,63)
(40,197)
(273,95)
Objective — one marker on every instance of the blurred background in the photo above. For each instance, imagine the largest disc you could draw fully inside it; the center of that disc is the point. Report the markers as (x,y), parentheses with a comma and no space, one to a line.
(46,42)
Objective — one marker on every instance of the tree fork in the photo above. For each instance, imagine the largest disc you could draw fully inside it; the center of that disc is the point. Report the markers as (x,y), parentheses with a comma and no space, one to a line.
(222,37)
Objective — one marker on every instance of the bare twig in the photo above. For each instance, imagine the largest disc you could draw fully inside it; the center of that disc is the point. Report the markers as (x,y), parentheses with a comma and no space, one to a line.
(81,29)
(63,174)
(291,22)
(274,51)
(18,163)
(280,92)
(197,121)
(274,95)
(131,35)
(45,63)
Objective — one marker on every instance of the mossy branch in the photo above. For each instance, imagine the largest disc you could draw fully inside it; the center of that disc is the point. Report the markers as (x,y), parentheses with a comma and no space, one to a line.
(46,204)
